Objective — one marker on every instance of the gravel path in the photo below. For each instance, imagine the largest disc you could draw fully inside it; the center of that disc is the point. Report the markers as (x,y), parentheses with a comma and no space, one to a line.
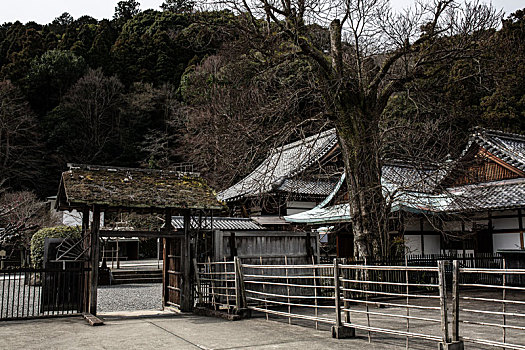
(129,297)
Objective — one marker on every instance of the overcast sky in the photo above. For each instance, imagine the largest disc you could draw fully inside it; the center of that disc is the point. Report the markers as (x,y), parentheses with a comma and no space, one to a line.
(44,11)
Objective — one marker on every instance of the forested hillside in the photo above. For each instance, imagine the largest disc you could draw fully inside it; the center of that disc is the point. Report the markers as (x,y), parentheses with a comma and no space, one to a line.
(154,88)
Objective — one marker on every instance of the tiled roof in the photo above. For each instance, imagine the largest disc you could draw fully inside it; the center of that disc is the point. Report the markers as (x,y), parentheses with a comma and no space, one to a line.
(305,187)
(412,177)
(220,223)
(282,163)
(133,188)
(507,146)
(497,195)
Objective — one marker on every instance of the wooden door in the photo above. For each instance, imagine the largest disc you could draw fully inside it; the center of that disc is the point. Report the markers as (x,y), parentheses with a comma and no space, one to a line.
(172,271)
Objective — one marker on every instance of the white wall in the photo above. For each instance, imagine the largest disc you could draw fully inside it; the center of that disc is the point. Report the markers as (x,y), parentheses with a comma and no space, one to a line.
(506,241)
(74,218)
(413,244)
(295,207)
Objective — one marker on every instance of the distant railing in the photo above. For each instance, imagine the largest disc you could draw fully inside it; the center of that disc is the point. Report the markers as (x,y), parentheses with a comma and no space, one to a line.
(34,293)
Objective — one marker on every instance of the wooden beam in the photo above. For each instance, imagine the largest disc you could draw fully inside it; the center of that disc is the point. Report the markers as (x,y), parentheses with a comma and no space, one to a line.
(95,253)
(165,262)
(140,233)
(233,246)
(520,218)
(92,320)
(501,162)
(86,242)
(186,295)
(165,275)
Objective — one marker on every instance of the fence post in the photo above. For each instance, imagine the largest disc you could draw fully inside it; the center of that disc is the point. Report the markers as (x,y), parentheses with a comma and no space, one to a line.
(240,293)
(455,301)
(198,281)
(338,330)
(446,344)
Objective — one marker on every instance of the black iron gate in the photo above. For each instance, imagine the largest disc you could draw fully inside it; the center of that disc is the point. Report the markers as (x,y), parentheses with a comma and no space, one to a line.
(33,293)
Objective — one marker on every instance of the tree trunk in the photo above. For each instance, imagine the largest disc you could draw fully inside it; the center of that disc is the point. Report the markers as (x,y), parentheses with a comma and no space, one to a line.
(359,141)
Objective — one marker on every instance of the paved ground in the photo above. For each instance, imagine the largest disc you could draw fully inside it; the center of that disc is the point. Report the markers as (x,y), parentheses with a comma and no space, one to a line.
(129,297)
(169,331)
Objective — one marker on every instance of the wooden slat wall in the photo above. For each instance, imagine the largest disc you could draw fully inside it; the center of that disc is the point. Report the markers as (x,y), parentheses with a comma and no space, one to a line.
(272,246)
(487,171)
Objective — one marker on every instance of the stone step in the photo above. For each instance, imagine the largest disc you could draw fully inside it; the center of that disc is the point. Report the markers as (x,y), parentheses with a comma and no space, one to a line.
(116,272)
(137,276)
(137,280)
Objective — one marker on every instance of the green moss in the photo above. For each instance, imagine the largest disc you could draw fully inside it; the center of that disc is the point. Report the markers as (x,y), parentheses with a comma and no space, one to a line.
(38,240)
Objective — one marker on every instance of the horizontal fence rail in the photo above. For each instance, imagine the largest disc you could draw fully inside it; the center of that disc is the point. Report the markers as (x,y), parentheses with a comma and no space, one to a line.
(34,293)
(444,302)
(497,296)
(399,291)
(303,292)
(216,284)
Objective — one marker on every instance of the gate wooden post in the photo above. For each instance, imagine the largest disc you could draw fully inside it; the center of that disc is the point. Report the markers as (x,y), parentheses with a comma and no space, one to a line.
(95,252)
(186,295)
(240,294)
(446,344)
(339,331)
(86,244)
(455,301)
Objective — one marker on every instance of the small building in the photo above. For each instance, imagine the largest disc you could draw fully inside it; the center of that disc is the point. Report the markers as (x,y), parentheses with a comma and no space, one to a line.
(472,205)
(293,178)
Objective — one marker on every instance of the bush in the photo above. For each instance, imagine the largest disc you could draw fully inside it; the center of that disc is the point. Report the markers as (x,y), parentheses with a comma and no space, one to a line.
(38,241)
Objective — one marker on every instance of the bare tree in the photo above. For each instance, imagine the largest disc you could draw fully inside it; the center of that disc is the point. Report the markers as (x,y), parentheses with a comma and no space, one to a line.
(21,215)
(373,53)
(19,145)
(91,118)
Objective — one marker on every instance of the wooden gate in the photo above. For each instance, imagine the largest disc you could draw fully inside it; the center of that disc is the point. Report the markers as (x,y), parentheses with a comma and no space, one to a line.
(172,271)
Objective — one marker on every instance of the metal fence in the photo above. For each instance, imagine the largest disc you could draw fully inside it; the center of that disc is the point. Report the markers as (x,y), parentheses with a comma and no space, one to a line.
(34,293)
(406,301)
(498,296)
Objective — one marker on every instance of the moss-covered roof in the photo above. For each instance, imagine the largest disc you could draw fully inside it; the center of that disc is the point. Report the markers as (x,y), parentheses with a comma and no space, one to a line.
(130,188)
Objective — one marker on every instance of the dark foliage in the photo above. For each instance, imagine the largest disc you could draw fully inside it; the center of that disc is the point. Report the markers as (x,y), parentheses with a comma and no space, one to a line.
(154,88)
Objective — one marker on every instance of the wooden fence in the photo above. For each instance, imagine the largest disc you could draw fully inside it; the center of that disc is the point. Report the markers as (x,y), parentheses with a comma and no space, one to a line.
(270,246)
(346,296)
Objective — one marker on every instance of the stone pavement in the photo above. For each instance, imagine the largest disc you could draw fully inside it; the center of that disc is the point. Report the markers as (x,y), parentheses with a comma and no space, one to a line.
(164,330)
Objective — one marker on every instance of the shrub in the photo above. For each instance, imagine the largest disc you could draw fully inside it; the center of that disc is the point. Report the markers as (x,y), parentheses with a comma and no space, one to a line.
(38,241)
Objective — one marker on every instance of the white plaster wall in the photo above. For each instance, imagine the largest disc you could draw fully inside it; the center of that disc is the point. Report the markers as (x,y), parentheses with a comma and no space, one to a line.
(295,207)
(413,244)
(505,241)
(74,218)
(432,244)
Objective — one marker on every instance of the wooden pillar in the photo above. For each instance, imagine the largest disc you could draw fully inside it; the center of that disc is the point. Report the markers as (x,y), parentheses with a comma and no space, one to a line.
(165,275)
(233,245)
(421,232)
(520,218)
(308,245)
(165,261)
(86,244)
(95,253)
(186,302)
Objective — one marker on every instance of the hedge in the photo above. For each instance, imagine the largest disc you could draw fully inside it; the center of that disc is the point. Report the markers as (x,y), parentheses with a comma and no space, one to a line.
(38,241)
